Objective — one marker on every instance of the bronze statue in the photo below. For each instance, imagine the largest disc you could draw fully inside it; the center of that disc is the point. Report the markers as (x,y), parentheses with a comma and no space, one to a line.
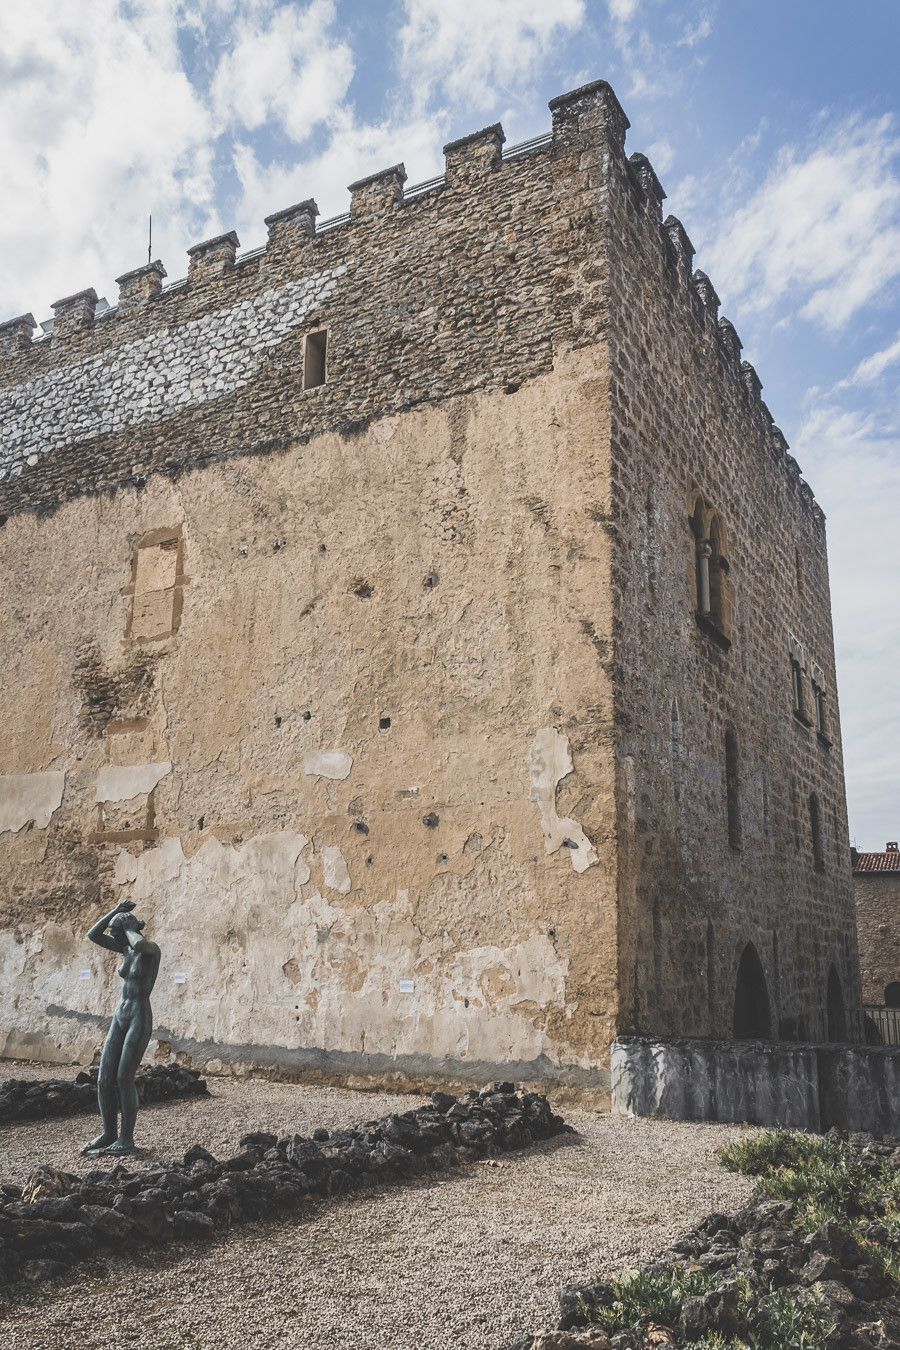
(129,1034)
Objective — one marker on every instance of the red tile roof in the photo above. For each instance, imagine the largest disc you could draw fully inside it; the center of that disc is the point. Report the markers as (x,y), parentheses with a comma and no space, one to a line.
(889,861)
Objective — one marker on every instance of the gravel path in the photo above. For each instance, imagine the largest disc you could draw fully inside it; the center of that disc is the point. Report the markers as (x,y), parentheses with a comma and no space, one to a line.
(466,1260)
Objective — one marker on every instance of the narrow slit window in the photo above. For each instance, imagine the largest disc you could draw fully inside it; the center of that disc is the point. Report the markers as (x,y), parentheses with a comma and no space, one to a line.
(315,354)
(733,790)
(815,825)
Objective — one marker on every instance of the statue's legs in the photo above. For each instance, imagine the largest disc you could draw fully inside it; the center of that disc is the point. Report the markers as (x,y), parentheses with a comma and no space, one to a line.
(136,1040)
(107,1097)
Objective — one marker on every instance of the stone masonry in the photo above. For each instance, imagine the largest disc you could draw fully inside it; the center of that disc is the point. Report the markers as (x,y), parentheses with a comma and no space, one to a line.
(876,885)
(398,697)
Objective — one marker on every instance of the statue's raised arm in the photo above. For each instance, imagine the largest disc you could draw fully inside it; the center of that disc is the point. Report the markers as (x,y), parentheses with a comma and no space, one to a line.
(132,1024)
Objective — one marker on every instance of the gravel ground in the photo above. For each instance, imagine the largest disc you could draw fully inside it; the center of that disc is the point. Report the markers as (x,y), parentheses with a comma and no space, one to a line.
(467,1260)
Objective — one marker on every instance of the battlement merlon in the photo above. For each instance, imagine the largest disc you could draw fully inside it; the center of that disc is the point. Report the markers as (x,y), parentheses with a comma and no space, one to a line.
(73,312)
(585,119)
(17,334)
(140,286)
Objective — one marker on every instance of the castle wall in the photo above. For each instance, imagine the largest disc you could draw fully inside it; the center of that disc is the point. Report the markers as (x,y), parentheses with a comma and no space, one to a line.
(319,677)
(878,925)
(688,422)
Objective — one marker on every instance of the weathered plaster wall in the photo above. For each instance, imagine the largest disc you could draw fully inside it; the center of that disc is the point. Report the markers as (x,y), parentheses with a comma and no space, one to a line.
(341,789)
(878,925)
(687,418)
(325,667)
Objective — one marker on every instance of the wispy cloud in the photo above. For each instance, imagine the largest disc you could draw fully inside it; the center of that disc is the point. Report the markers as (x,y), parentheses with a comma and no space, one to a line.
(871,368)
(821,234)
(476,55)
(647,41)
(287,66)
(696,32)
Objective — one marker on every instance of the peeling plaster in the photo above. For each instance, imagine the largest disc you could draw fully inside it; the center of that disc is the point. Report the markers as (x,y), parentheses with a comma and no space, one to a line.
(337,876)
(119,783)
(30,797)
(327,763)
(267,961)
(549,762)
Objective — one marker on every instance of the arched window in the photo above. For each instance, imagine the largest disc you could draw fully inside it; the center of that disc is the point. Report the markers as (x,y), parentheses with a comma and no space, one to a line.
(713,588)
(752,1020)
(815,826)
(733,789)
(892,994)
(834,1007)
(702,555)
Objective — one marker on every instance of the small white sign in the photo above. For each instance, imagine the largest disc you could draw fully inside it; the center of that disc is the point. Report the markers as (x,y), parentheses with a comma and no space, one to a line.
(180,977)
(85,974)
(407,986)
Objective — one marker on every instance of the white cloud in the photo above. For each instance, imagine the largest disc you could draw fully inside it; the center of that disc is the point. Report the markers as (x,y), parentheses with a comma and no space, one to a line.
(473,54)
(286,66)
(99,127)
(353,150)
(622,11)
(822,233)
(871,368)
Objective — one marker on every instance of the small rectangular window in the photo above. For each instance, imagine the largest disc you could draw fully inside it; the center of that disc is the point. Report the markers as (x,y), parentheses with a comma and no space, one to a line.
(315,359)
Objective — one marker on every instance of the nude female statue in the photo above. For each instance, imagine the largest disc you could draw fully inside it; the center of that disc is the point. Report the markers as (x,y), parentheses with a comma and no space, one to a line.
(132,1023)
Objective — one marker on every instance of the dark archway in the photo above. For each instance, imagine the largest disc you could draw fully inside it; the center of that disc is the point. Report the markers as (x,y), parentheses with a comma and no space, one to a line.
(752,1019)
(892,995)
(837,1018)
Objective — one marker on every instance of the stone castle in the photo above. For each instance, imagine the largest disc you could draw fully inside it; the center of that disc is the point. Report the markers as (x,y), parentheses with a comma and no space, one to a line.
(422,619)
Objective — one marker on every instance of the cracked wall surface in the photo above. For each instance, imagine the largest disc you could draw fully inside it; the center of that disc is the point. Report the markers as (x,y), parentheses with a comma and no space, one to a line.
(321,793)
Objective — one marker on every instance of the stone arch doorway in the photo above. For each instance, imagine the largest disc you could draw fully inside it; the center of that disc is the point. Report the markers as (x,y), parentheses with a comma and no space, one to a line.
(752,1018)
(834,1007)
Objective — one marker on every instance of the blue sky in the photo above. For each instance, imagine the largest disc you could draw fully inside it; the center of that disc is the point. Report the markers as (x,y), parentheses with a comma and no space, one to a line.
(773,125)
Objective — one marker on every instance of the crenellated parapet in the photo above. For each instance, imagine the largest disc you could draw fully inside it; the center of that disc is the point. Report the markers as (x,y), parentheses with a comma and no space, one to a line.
(703,303)
(95,370)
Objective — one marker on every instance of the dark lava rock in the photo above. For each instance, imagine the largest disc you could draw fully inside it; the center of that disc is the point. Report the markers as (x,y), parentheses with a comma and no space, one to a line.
(57,1218)
(715,1311)
(24,1099)
(189,1223)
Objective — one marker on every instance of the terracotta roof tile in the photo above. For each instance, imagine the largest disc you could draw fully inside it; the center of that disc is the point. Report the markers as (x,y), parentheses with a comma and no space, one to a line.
(889,861)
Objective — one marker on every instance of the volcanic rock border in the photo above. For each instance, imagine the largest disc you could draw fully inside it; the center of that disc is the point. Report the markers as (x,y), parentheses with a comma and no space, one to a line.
(758,1254)
(57,1219)
(27,1099)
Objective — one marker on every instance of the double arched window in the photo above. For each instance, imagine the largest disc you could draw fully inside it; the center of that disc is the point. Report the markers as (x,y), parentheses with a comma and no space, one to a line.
(713,588)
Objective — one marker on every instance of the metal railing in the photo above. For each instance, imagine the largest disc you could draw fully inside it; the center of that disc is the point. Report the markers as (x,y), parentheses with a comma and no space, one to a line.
(881,1024)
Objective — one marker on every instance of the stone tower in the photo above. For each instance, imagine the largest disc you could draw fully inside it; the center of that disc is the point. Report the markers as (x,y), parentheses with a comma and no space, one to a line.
(422,619)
